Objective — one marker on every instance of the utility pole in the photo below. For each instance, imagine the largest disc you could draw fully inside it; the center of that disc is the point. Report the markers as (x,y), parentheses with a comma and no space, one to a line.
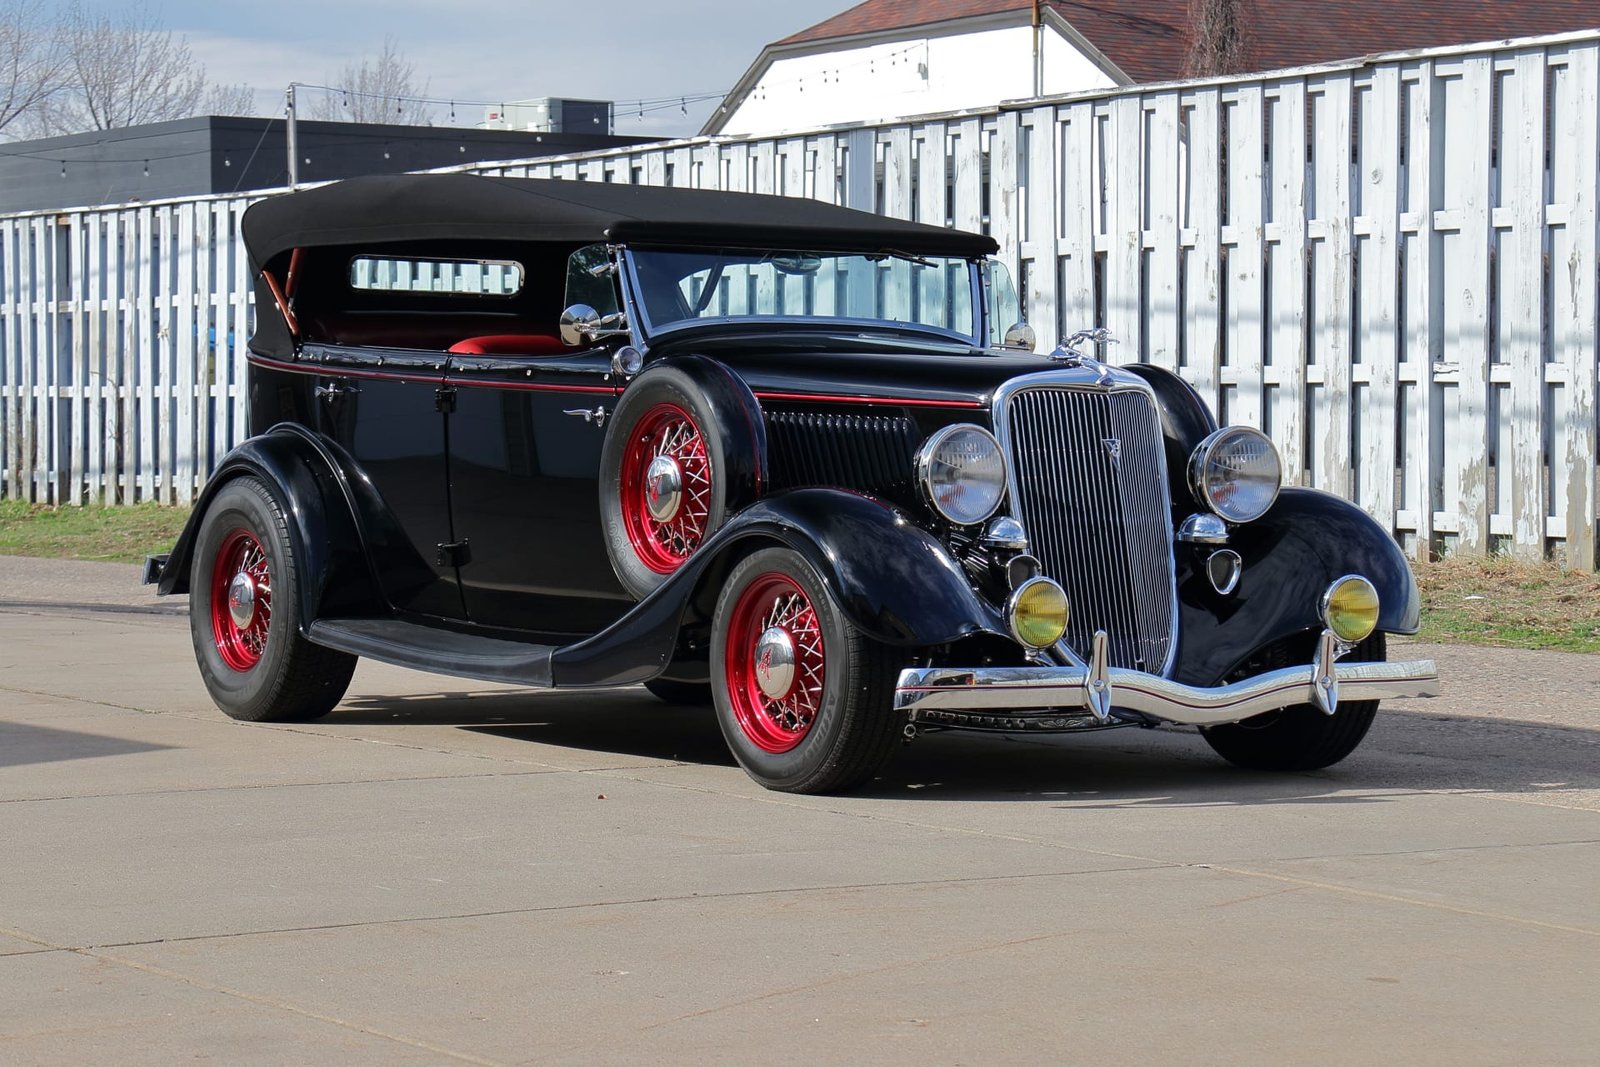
(293,140)
(1038,50)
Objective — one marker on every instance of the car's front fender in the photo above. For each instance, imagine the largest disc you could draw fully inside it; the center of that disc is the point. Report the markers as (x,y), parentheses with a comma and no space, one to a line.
(1290,555)
(892,580)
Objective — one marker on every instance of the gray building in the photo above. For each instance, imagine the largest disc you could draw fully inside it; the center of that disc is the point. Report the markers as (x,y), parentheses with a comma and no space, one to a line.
(191,157)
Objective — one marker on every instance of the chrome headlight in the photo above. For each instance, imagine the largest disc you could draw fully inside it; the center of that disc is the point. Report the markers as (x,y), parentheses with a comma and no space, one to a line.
(1236,473)
(963,473)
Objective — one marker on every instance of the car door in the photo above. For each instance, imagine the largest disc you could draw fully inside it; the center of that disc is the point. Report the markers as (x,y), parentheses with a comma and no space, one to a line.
(382,407)
(525,440)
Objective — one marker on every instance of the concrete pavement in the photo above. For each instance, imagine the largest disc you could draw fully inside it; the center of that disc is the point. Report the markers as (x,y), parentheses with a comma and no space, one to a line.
(448,872)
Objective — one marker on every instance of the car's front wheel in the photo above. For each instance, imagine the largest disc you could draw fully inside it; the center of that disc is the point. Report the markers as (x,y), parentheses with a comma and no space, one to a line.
(244,615)
(1302,737)
(802,696)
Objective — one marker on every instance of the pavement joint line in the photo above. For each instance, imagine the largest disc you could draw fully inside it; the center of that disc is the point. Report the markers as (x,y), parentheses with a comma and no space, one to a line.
(1294,884)
(551,909)
(1396,898)
(256,998)
(273,785)
(868,972)
(74,699)
(62,607)
(1533,799)
(1152,862)
(1434,851)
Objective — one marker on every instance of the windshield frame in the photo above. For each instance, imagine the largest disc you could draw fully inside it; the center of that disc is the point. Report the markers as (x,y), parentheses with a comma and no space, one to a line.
(639,317)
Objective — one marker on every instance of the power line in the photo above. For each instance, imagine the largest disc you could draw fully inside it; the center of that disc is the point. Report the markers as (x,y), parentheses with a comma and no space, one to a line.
(623,108)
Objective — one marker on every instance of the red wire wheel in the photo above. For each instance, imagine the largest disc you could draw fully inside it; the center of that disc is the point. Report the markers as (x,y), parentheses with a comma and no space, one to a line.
(774,662)
(666,487)
(241,600)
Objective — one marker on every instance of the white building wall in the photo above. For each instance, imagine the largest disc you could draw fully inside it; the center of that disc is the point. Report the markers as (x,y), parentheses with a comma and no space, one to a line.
(910,76)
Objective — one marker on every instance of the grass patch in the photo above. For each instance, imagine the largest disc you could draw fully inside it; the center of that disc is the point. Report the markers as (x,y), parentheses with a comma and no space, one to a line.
(119,534)
(1500,601)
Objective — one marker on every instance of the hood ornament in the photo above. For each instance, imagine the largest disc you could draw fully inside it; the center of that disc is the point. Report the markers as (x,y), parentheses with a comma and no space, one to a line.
(1069,354)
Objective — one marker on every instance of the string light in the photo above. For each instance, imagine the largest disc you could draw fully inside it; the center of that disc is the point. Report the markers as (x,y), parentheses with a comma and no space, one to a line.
(638,108)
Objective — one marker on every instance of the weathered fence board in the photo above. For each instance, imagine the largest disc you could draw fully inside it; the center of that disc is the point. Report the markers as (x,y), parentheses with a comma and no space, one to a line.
(1388,265)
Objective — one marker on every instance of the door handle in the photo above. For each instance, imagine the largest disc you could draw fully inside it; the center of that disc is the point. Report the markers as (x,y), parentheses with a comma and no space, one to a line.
(597,416)
(336,390)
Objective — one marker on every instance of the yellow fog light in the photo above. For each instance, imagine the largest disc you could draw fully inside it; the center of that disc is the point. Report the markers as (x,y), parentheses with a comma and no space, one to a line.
(1350,608)
(1037,613)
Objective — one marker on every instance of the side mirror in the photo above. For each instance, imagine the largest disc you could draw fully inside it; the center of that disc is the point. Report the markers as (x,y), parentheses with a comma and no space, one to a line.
(578,323)
(1021,336)
(581,324)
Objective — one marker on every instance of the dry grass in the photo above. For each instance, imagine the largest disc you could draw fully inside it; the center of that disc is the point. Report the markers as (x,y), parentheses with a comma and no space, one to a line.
(1500,601)
(114,534)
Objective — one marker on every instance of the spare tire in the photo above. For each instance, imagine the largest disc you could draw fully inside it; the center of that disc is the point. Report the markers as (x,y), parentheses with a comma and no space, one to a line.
(663,477)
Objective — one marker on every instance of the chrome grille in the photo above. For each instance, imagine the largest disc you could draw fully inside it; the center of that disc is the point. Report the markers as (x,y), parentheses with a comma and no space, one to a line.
(1091,482)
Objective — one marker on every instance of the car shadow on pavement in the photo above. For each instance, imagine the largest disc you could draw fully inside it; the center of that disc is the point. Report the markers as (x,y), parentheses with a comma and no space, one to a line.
(628,722)
(1407,752)
(23,743)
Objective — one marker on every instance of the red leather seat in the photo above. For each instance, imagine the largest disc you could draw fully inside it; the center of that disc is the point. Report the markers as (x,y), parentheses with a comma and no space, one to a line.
(510,344)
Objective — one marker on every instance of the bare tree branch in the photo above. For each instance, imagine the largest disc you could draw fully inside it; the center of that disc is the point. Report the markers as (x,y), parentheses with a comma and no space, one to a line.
(230,100)
(124,70)
(31,60)
(381,88)
(1219,38)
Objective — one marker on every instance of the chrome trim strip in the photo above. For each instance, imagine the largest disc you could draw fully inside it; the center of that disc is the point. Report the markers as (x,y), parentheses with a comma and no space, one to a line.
(1020,690)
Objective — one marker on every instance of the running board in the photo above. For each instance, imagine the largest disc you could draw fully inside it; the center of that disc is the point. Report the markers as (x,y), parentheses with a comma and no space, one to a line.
(428,648)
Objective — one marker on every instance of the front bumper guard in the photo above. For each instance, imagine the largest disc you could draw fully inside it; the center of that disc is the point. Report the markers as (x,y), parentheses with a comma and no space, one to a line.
(1045,697)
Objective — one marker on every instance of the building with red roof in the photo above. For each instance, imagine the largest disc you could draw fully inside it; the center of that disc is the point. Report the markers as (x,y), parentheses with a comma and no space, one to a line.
(888,59)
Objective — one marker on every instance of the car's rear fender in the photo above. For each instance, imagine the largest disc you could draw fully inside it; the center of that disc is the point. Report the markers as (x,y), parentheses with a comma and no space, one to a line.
(893,580)
(315,494)
(1290,555)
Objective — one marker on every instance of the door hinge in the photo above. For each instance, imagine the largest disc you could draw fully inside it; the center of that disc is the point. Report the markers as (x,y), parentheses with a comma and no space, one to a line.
(454,554)
(444,399)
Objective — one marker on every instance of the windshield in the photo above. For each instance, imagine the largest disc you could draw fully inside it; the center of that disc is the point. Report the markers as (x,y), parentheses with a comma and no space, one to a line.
(682,288)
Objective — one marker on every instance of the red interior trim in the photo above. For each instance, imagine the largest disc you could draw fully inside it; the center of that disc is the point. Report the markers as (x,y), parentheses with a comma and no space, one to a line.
(511,344)
(283,303)
(294,272)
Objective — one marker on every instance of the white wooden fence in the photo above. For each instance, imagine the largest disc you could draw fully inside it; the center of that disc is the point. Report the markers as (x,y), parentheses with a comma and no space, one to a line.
(1389,266)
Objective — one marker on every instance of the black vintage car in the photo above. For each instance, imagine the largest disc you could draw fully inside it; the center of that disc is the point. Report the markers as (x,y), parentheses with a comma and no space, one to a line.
(786,459)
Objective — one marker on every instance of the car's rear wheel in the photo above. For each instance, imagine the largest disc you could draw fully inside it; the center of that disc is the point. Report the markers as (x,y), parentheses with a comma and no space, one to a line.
(663,483)
(802,696)
(244,615)
(1302,737)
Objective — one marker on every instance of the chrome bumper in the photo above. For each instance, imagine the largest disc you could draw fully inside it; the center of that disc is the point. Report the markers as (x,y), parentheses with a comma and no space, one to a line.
(1045,697)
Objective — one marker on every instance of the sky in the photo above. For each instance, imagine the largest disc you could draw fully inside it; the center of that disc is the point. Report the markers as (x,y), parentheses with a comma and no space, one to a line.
(496,50)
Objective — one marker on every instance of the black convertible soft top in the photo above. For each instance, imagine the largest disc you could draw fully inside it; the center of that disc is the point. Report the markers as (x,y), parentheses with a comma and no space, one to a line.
(410,207)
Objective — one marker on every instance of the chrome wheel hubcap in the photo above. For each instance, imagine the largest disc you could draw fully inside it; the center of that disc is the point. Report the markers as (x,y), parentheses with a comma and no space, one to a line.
(663,488)
(774,662)
(242,600)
